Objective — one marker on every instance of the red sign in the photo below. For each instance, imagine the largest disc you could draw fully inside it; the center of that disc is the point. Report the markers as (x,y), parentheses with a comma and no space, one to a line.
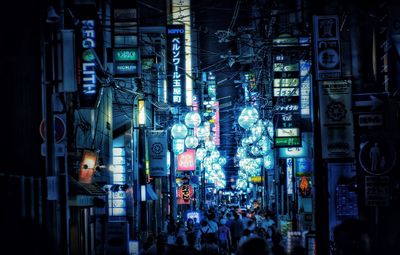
(187,161)
(87,167)
(58,126)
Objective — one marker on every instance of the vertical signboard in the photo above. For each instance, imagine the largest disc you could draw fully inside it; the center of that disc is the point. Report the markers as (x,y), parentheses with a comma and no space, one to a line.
(176,64)
(327,47)
(87,38)
(305,88)
(336,119)
(157,142)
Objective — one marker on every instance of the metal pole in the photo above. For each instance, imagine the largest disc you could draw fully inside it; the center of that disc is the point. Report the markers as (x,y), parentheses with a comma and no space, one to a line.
(142,179)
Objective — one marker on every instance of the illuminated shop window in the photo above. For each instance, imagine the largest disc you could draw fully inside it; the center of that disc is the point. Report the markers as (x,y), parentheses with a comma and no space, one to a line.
(117,195)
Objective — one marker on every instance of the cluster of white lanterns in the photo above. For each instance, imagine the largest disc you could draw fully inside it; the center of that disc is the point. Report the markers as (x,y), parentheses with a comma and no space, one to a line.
(208,155)
(254,151)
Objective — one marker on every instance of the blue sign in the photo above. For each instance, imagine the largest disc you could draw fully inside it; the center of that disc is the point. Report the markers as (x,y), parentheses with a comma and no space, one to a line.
(176,73)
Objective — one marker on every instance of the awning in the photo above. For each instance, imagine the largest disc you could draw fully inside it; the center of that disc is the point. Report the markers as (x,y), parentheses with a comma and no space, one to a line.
(150,194)
(88,189)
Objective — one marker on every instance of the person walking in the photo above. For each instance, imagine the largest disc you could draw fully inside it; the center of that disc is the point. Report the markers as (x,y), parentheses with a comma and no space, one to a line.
(236,231)
(224,238)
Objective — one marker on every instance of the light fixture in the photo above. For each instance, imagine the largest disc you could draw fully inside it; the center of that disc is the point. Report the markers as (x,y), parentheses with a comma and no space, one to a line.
(52,16)
(141,112)
(179,131)
(192,119)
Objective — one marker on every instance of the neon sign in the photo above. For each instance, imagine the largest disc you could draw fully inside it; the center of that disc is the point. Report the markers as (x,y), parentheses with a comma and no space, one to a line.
(87,64)
(176,63)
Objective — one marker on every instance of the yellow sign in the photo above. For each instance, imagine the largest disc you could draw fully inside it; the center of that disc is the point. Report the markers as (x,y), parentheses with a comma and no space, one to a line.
(256,179)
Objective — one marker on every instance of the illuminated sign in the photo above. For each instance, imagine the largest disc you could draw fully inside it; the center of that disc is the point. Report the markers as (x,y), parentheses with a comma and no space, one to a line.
(286,92)
(287,132)
(295,152)
(181,14)
(125,62)
(185,193)
(87,166)
(287,141)
(196,216)
(256,179)
(187,161)
(305,87)
(87,75)
(176,64)
(289,176)
(125,54)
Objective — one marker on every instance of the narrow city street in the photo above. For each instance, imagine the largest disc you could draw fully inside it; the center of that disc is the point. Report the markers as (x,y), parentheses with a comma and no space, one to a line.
(177,127)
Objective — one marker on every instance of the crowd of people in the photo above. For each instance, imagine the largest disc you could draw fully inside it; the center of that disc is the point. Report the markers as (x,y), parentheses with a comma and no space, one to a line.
(224,231)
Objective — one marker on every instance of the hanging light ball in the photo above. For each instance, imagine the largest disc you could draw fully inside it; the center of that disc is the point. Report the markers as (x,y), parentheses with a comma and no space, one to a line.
(255,150)
(192,119)
(210,145)
(215,154)
(241,152)
(257,129)
(202,132)
(222,161)
(179,131)
(178,146)
(201,153)
(191,142)
(248,117)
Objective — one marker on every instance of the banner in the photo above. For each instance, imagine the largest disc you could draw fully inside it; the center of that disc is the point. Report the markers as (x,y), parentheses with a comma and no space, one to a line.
(157,142)
(336,119)
(327,47)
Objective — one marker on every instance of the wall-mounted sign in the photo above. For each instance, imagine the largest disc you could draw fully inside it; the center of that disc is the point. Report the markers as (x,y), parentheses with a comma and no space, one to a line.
(125,62)
(336,119)
(125,54)
(176,74)
(256,179)
(305,88)
(296,152)
(87,166)
(287,131)
(327,47)
(87,77)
